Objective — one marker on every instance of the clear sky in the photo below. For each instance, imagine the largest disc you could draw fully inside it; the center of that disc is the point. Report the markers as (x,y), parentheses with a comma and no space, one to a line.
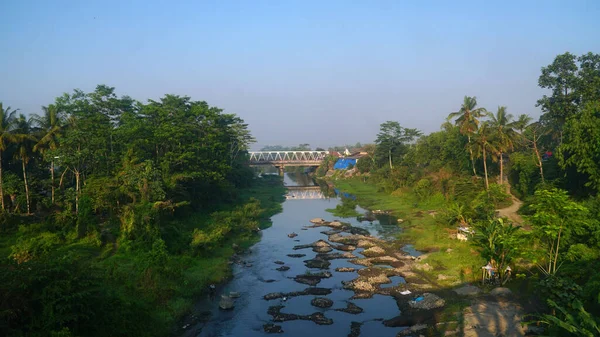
(318,72)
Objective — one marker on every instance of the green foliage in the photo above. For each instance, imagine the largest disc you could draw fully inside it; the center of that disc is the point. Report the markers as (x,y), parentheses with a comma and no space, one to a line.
(580,147)
(498,242)
(423,189)
(555,218)
(576,322)
(393,141)
(560,290)
(524,174)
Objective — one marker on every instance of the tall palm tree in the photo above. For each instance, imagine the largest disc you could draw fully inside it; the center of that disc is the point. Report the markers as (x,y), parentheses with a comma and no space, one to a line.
(521,123)
(483,144)
(25,142)
(467,119)
(7,119)
(51,125)
(504,129)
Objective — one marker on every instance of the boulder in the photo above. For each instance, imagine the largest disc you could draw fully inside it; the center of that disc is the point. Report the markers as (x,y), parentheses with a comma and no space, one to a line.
(283,268)
(427,301)
(345,269)
(279,262)
(317,220)
(296,255)
(373,251)
(413,329)
(320,319)
(226,303)
(467,290)
(355,329)
(312,279)
(345,248)
(501,291)
(272,296)
(317,263)
(272,328)
(234,294)
(323,249)
(292,235)
(321,302)
(351,308)
(425,267)
(335,224)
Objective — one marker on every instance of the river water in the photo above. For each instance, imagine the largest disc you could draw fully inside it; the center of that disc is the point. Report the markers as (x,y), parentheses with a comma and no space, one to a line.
(258,276)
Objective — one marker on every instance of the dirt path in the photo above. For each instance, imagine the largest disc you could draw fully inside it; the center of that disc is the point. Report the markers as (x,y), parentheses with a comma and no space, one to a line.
(510,212)
(493,317)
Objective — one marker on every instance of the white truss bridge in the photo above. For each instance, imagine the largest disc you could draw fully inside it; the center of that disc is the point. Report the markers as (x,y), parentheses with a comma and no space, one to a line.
(304,193)
(287,158)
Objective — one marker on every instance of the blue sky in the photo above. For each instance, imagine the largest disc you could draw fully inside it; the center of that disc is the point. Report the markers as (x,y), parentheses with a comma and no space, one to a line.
(318,72)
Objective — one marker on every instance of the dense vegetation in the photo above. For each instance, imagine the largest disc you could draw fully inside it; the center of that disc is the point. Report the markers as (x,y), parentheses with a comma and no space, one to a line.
(479,158)
(117,214)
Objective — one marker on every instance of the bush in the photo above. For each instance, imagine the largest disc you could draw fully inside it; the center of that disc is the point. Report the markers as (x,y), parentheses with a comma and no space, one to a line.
(423,189)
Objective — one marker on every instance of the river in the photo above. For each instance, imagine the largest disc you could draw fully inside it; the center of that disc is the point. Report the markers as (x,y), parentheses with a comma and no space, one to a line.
(258,276)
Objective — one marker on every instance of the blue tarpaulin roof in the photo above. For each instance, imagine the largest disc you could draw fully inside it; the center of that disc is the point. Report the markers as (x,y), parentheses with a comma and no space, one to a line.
(343,163)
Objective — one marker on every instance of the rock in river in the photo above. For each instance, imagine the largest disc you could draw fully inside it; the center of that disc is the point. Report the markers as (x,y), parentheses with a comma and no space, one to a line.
(296,255)
(314,291)
(312,278)
(321,302)
(351,308)
(279,262)
(226,303)
(345,269)
(355,329)
(324,249)
(279,316)
(272,328)
(427,301)
(317,263)
(283,268)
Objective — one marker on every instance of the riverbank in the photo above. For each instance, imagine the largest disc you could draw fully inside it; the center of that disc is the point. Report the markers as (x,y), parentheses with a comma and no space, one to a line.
(449,261)
(449,268)
(108,285)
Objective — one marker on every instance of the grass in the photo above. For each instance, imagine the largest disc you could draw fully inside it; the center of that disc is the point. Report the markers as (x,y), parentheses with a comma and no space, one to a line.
(426,232)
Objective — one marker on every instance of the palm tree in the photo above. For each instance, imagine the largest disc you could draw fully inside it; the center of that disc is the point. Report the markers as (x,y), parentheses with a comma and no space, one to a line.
(521,123)
(504,129)
(25,142)
(51,126)
(467,118)
(7,118)
(484,143)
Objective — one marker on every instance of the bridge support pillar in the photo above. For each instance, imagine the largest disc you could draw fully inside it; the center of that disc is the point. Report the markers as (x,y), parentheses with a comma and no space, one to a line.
(281,170)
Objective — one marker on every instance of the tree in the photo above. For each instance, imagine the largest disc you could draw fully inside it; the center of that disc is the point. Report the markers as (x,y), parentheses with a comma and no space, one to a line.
(504,126)
(50,125)
(580,146)
(554,217)
(392,138)
(498,243)
(25,142)
(483,144)
(531,136)
(467,118)
(7,119)
(576,322)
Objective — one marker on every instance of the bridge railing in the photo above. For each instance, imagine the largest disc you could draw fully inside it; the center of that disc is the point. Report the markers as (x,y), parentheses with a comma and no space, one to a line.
(287,156)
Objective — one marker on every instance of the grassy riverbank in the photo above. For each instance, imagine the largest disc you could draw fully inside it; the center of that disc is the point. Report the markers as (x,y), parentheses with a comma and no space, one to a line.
(115,287)
(454,260)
